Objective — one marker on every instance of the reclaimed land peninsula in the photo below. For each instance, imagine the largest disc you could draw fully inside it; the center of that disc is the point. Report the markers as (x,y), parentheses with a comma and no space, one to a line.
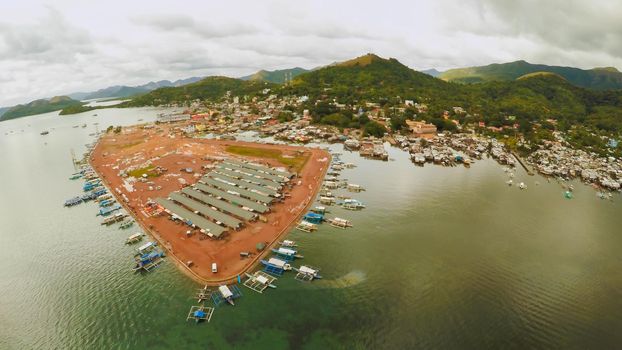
(209,201)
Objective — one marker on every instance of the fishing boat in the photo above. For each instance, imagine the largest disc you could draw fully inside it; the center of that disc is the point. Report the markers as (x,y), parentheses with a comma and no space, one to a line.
(146,247)
(287,253)
(319,210)
(203,294)
(75,176)
(340,223)
(275,266)
(307,273)
(351,204)
(313,218)
(226,294)
(126,224)
(45,132)
(355,188)
(199,313)
(522,186)
(107,203)
(306,226)
(73,201)
(148,261)
(137,237)
(108,210)
(568,195)
(115,218)
(509,182)
(288,243)
(327,200)
(103,197)
(259,281)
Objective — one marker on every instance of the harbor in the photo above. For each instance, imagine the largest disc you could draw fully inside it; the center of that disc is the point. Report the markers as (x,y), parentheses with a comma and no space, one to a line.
(423,219)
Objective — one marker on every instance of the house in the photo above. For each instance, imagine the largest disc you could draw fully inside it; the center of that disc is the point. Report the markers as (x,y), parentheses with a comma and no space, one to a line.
(421,128)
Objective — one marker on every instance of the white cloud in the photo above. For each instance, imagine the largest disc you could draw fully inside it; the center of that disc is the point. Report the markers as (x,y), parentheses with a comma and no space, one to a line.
(73,45)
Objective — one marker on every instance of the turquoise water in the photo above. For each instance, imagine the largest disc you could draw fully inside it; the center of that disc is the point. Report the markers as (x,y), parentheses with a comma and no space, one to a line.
(441,258)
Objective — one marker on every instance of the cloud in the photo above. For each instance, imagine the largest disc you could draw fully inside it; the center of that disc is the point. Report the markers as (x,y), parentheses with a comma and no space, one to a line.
(82,46)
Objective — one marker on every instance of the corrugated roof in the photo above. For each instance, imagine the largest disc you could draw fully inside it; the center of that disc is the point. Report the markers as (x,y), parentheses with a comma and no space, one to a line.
(248,176)
(197,220)
(258,207)
(245,184)
(245,193)
(206,210)
(259,167)
(276,178)
(219,203)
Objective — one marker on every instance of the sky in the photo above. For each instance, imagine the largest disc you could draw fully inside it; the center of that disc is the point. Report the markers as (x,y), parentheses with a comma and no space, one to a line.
(50,48)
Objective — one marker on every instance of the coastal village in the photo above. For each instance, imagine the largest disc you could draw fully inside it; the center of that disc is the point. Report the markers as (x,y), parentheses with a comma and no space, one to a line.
(273,116)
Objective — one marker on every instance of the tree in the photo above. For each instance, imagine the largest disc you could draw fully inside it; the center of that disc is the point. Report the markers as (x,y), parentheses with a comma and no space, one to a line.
(374,129)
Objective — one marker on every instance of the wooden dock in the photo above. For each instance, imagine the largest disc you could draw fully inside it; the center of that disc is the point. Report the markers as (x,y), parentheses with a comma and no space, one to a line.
(522,163)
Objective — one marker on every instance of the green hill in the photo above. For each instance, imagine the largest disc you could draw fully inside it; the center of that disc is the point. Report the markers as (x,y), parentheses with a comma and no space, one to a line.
(276,76)
(207,89)
(597,78)
(39,106)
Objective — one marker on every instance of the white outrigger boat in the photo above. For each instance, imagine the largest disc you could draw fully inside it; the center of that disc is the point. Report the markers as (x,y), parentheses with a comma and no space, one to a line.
(351,204)
(307,273)
(288,243)
(340,223)
(226,294)
(522,186)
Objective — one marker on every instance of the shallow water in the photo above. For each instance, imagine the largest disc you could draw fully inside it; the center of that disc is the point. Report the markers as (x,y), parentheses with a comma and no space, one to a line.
(441,258)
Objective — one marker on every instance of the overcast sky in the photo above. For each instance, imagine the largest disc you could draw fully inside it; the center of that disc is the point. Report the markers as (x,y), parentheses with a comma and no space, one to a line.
(57,47)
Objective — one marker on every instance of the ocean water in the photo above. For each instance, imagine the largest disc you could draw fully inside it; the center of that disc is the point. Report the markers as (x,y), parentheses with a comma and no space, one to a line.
(440,258)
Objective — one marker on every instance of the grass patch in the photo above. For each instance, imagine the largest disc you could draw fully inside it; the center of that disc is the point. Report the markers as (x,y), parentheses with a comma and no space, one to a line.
(295,162)
(147,170)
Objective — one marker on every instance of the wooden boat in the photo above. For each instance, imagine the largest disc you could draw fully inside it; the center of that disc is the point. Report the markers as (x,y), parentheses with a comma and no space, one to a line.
(352,204)
(306,226)
(203,294)
(73,201)
(275,266)
(115,218)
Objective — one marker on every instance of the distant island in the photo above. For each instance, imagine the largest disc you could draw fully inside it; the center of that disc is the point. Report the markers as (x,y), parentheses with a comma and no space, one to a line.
(40,106)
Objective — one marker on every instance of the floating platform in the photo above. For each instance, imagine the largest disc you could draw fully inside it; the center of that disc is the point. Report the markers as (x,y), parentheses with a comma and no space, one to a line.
(259,281)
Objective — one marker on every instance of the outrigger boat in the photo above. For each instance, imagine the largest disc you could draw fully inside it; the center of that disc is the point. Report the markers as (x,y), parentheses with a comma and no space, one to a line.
(107,203)
(107,211)
(340,223)
(288,243)
(275,266)
(203,294)
(355,188)
(126,224)
(148,261)
(115,218)
(226,294)
(103,197)
(75,176)
(319,210)
(287,253)
(351,204)
(306,226)
(200,313)
(313,218)
(134,238)
(259,281)
(307,273)
(73,201)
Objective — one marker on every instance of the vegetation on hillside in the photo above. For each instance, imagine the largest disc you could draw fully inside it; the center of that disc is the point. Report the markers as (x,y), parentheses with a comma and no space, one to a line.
(276,76)
(597,78)
(39,106)
(211,88)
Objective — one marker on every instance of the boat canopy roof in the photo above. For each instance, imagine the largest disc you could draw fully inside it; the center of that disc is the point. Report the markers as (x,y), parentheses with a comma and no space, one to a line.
(225,291)
(307,270)
(145,246)
(261,279)
(276,262)
(287,251)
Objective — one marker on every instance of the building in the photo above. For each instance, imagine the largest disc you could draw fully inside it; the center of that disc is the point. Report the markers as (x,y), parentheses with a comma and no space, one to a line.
(421,128)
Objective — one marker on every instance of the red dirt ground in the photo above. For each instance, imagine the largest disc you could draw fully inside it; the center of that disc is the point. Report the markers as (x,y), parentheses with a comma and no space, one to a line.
(134,146)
